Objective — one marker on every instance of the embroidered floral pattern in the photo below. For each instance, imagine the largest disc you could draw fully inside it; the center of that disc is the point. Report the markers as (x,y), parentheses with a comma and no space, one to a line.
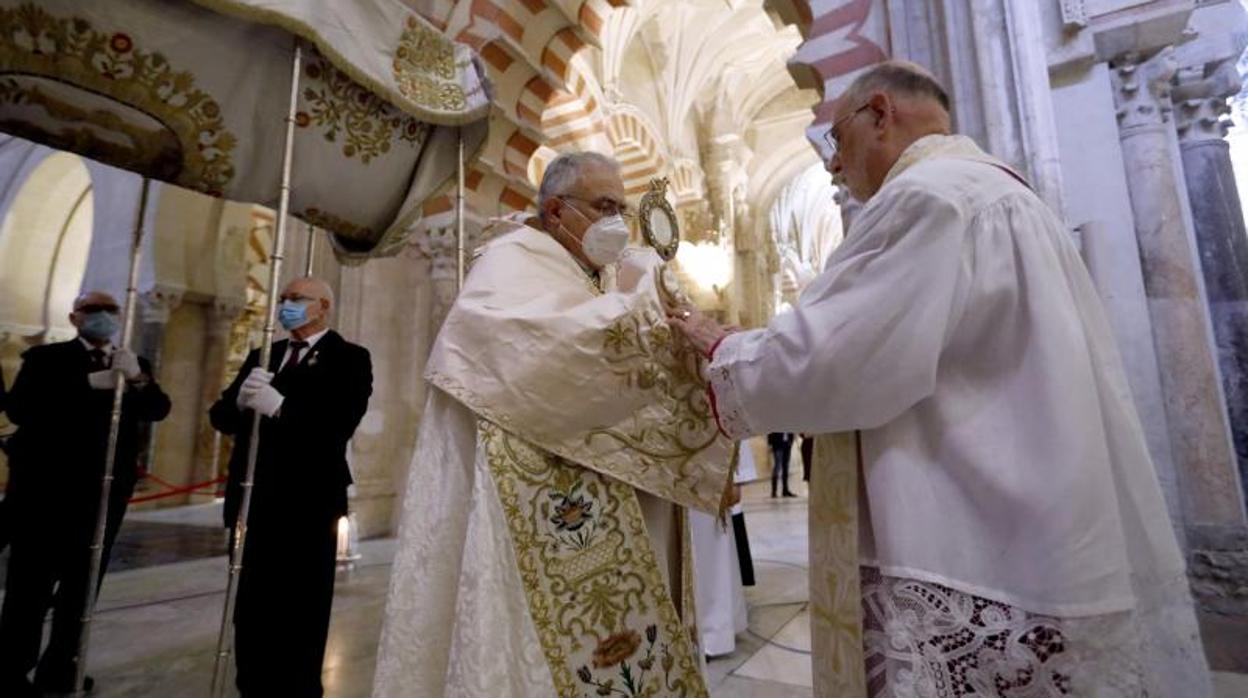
(644,356)
(926,639)
(366,125)
(573,517)
(600,603)
(34,42)
(615,651)
(424,68)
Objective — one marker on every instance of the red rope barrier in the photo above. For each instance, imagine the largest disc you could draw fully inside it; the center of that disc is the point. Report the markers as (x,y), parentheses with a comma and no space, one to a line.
(175,491)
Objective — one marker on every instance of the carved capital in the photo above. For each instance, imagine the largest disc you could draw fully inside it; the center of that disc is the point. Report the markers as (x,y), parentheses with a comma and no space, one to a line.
(1200,99)
(1074,13)
(1142,88)
(157,303)
(1202,119)
(440,246)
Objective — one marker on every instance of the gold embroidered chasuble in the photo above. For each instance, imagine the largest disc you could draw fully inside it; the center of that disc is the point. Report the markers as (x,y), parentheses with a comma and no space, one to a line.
(586,412)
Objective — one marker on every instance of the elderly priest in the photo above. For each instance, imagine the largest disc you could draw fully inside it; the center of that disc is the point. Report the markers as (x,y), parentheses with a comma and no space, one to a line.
(543,550)
(978,429)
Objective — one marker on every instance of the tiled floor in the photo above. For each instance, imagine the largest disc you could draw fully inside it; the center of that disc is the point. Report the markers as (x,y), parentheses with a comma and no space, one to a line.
(157,627)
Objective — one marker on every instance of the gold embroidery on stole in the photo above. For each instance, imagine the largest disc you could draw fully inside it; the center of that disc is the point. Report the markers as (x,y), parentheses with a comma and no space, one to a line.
(835,589)
(597,598)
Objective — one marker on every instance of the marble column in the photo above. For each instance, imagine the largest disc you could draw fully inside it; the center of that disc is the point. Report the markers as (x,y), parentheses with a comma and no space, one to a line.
(1195,414)
(1221,241)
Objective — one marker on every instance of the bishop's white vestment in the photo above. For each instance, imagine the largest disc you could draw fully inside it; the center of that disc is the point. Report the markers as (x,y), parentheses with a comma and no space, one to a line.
(540,553)
(985,517)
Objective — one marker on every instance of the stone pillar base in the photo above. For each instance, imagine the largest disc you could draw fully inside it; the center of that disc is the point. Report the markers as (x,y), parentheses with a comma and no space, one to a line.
(1218,567)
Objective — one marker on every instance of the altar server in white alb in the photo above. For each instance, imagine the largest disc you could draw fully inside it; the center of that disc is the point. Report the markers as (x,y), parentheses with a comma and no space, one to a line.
(986,519)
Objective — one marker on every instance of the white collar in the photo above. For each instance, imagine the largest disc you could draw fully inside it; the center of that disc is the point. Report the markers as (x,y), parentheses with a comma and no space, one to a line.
(313,339)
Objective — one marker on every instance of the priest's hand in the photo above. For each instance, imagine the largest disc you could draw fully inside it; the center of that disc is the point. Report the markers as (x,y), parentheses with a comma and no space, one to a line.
(699,329)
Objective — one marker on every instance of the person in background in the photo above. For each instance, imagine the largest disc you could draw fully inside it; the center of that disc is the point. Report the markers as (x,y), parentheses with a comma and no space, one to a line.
(61,402)
(781,444)
(311,398)
(808,454)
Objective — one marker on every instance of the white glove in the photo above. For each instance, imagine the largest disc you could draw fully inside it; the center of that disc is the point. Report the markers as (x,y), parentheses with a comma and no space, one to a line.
(125,361)
(102,380)
(257,394)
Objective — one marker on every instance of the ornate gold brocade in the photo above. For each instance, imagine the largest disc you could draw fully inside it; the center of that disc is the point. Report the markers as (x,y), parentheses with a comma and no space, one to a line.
(595,593)
(643,355)
(424,68)
(70,51)
(368,125)
(835,588)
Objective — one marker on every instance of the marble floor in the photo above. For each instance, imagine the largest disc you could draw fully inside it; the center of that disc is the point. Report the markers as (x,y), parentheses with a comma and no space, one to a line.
(157,624)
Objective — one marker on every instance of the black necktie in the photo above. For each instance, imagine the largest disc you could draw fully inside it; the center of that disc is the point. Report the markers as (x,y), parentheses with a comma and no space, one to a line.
(296,352)
(98,359)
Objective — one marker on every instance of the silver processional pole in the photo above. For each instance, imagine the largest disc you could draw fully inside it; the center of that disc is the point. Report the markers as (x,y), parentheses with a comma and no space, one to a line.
(110,457)
(266,349)
(311,254)
(459,212)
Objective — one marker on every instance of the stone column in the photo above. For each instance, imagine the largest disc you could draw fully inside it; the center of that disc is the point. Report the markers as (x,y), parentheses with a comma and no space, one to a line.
(1220,239)
(212,450)
(387,306)
(439,245)
(1197,421)
(155,307)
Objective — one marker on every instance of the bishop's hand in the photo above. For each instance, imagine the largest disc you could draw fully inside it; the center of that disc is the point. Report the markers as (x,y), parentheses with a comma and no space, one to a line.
(698,328)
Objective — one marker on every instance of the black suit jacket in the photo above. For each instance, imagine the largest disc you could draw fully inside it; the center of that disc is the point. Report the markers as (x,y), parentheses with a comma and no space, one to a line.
(779,439)
(301,469)
(62,423)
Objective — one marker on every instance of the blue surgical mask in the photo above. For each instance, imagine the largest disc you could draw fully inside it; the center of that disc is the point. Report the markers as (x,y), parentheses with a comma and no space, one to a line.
(98,326)
(293,314)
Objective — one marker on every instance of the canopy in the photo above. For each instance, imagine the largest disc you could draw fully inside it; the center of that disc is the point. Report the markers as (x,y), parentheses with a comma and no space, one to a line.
(195,93)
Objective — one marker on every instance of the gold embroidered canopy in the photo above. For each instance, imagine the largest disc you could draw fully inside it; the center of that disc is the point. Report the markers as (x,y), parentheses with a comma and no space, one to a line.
(194,93)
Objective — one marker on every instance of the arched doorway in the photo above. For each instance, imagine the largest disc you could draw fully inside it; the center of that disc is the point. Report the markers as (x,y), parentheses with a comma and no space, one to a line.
(44,240)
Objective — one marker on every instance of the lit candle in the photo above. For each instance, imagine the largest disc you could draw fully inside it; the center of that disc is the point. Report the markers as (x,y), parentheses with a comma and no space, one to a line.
(344,537)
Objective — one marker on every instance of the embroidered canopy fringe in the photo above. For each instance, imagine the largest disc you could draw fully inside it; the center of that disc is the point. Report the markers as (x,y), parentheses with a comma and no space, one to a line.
(190,92)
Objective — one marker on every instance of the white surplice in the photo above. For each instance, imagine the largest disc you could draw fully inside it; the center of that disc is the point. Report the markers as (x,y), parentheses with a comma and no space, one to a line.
(540,553)
(719,595)
(1006,490)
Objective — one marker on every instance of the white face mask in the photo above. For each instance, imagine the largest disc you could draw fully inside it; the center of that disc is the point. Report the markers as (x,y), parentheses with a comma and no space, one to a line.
(605,239)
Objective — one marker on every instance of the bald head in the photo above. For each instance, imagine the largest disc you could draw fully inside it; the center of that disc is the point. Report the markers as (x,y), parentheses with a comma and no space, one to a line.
(884,111)
(96,298)
(315,298)
(96,316)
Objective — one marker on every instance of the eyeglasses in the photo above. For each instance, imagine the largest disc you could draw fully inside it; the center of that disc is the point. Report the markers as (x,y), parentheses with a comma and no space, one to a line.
(832,138)
(296,297)
(606,206)
(88,308)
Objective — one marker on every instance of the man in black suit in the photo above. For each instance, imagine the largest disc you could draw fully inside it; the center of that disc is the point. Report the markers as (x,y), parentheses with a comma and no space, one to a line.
(61,402)
(781,450)
(311,398)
